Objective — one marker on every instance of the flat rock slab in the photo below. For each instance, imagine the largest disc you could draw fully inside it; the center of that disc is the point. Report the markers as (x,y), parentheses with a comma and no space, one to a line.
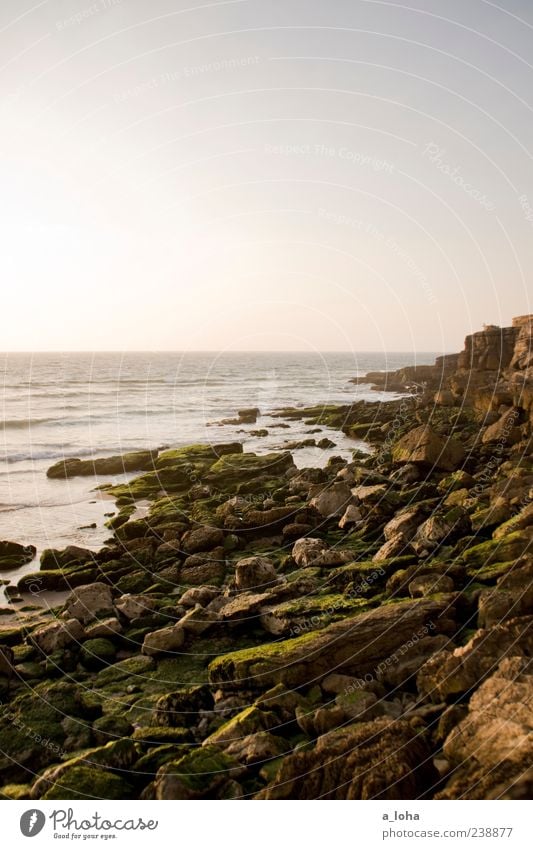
(353,646)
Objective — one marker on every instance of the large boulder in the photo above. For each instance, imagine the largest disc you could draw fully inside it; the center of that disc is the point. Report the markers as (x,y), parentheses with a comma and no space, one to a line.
(136,461)
(203,538)
(89,602)
(382,759)
(356,645)
(164,641)
(333,500)
(425,447)
(254,573)
(493,746)
(450,674)
(309,551)
(58,635)
(13,555)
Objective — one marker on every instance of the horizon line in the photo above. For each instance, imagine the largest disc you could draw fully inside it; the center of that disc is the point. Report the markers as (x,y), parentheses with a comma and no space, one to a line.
(218,351)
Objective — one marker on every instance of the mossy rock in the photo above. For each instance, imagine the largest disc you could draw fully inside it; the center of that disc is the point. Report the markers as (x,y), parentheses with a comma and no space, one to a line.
(156,757)
(233,469)
(509,547)
(88,782)
(156,735)
(200,774)
(248,721)
(98,653)
(15,791)
(107,728)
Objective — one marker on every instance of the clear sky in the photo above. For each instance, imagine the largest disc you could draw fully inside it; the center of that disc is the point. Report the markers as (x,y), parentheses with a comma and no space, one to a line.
(264,174)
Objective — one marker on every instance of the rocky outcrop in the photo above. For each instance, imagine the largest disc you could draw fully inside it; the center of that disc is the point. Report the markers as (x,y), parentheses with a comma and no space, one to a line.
(136,461)
(382,759)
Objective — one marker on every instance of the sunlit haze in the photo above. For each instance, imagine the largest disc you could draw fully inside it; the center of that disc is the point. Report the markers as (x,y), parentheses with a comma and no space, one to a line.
(251,175)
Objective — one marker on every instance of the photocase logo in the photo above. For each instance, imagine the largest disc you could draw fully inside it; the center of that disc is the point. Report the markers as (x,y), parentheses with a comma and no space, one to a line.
(32,822)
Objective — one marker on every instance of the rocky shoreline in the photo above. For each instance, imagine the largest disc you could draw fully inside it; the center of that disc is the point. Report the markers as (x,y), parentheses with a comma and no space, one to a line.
(358,631)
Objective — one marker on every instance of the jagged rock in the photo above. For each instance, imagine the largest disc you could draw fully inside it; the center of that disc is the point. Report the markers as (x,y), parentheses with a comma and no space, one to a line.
(198,595)
(505,431)
(351,517)
(257,748)
(424,585)
(333,500)
(315,552)
(452,673)
(441,527)
(423,446)
(204,773)
(493,745)
(254,573)
(405,522)
(90,601)
(369,760)
(512,596)
(396,546)
(371,494)
(104,628)
(201,539)
(133,606)
(165,640)
(58,635)
(198,620)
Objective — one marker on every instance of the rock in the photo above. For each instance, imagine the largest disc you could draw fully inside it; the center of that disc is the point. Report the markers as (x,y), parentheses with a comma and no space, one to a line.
(257,748)
(89,602)
(74,776)
(254,573)
(57,635)
(163,641)
(51,558)
(351,517)
(442,527)
(512,596)
(183,707)
(136,461)
(245,606)
(369,760)
(97,653)
(425,447)
(104,628)
(201,539)
(506,430)
(13,555)
(493,745)
(371,494)
(353,646)
(248,721)
(425,585)
(405,522)
(452,673)
(204,773)
(315,552)
(397,546)
(198,620)
(198,595)
(233,469)
(132,606)
(333,500)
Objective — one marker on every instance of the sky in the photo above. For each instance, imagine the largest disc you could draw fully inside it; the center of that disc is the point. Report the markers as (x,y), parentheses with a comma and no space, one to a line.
(252,175)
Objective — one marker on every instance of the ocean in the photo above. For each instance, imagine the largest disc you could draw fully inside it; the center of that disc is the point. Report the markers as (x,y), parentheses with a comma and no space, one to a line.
(61,405)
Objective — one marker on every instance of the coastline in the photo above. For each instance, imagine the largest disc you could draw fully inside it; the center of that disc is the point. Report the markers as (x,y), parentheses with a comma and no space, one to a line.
(270,631)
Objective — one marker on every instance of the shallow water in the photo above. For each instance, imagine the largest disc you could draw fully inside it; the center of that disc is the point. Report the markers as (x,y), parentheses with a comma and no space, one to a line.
(62,405)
